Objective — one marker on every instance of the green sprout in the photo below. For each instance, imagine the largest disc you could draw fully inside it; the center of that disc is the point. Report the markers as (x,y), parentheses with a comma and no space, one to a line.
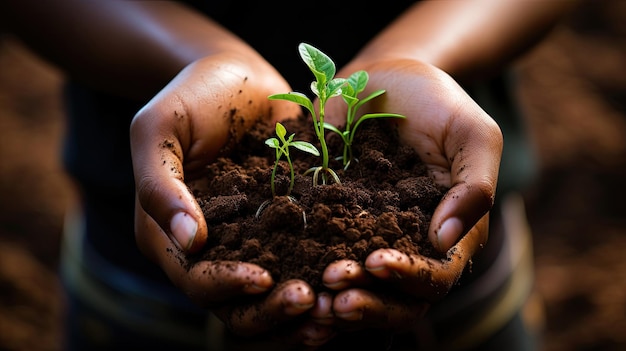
(282,145)
(355,84)
(324,87)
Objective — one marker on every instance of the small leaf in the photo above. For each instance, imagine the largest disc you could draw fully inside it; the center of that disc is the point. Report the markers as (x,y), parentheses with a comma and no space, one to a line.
(335,86)
(319,63)
(332,128)
(296,97)
(348,91)
(306,147)
(281,131)
(371,116)
(349,99)
(358,81)
(273,143)
(314,89)
(371,96)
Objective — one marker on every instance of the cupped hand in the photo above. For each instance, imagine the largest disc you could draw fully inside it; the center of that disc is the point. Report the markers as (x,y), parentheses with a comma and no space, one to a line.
(461,146)
(209,104)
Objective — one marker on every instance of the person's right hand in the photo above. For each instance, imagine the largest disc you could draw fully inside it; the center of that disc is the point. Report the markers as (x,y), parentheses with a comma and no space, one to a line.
(207,105)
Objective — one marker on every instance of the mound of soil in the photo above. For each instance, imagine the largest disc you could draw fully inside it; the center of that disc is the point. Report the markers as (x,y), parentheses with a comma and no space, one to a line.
(385,200)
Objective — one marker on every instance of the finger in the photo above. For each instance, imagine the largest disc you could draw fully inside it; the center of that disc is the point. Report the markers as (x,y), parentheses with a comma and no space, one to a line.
(285,302)
(458,257)
(459,210)
(345,273)
(360,308)
(424,277)
(158,147)
(204,282)
(322,312)
(418,276)
(474,155)
(307,334)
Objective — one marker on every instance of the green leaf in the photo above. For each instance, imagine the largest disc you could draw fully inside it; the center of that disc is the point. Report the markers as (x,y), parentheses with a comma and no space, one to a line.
(306,147)
(371,96)
(332,128)
(314,88)
(281,131)
(358,81)
(296,97)
(273,143)
(318,62)
(348,91)
(334,87)
(371,116)
(349,99)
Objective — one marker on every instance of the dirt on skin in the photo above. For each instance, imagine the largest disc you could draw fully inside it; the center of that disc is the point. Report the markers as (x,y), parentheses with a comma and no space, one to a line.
(385,200)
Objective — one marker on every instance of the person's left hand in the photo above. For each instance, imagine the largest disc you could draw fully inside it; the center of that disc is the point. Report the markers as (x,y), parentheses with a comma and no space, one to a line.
(461,146)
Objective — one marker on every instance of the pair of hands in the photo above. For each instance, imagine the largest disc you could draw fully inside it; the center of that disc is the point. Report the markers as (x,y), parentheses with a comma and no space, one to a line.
(183,128)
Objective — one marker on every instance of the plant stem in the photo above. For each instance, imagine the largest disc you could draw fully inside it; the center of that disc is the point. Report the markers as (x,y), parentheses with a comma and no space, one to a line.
(320,132)
(291,175)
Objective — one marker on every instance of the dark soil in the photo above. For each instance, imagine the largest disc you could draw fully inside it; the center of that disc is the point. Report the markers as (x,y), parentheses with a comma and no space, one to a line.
(385,200)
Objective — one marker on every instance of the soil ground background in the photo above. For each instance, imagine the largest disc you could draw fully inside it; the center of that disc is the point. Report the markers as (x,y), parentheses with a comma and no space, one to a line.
(572,89)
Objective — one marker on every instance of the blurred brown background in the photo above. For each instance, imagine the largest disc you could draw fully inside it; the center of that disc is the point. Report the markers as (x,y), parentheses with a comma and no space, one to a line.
(572,89)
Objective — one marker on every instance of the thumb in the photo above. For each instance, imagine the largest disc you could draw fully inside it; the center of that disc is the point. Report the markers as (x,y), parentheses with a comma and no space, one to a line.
(474,165)
(460,209)
(159,180)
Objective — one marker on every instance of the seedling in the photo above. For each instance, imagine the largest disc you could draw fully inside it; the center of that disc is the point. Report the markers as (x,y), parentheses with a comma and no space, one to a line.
(282,145)
(355,84)
(324,87)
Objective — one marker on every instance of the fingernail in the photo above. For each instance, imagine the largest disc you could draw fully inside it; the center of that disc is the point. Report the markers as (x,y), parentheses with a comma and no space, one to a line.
(449,233)
(254,289)
(296,309)
(184,229)
(336,285)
